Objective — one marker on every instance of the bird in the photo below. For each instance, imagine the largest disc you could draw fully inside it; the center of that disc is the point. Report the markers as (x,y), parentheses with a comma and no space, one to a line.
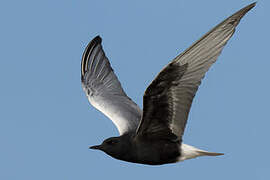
(154,135)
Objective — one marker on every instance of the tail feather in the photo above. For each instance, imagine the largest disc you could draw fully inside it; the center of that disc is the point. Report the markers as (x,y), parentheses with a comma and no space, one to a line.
(189,152)
(206,153)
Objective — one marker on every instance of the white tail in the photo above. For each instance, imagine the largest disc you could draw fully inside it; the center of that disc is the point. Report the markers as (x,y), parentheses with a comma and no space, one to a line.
(189,152)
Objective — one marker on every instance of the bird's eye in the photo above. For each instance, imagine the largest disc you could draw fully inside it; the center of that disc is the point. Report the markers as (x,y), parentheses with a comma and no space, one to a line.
(111,142)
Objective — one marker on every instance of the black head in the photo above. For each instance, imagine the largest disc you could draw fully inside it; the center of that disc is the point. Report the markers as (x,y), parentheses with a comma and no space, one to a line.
(108,143)
(114,146)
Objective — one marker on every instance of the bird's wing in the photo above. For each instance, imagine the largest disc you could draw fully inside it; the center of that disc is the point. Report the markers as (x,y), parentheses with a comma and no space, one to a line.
(104,90)
(168,99)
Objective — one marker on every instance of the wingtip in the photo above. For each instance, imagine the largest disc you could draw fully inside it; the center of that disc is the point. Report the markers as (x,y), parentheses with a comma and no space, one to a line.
(97,39)
(244,10)
(94,42)
(236,17)
(249,7)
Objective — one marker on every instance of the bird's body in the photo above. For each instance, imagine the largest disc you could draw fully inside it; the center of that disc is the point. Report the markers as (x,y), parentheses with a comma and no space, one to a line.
(154,135)
(146,151)
(157,152)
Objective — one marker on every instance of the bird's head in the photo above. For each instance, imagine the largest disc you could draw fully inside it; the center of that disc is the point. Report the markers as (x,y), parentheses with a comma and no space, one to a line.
(114,146)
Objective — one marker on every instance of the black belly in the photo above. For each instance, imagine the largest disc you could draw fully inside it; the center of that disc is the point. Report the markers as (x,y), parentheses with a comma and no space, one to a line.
(158,152)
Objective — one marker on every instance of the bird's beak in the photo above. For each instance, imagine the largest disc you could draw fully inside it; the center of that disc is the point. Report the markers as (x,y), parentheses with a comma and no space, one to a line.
(95,147)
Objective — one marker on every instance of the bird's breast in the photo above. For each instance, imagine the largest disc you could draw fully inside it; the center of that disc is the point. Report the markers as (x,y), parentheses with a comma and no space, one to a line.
(157,152)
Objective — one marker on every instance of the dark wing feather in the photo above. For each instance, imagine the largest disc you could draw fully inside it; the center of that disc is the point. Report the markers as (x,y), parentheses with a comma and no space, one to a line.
(168,99)
(158,102)
(104,90)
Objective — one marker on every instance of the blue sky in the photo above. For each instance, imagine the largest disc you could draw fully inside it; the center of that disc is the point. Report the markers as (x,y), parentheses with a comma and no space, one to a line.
(47,124)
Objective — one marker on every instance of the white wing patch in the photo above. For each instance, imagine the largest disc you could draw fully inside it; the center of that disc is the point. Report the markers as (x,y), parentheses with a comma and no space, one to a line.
(111,111)
(104,90)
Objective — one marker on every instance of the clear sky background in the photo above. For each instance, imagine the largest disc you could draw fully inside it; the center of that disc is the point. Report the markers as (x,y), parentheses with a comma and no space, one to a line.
(47,124)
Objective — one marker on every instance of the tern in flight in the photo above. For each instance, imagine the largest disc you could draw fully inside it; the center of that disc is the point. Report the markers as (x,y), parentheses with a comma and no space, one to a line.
(154,134)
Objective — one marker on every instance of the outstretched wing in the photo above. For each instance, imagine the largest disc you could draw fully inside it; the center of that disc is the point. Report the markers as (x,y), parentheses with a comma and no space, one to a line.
(168,99)
(104,90)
